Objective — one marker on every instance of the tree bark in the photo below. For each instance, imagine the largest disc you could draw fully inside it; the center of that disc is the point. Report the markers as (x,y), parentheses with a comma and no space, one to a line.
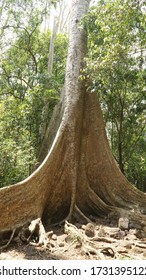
(79,174)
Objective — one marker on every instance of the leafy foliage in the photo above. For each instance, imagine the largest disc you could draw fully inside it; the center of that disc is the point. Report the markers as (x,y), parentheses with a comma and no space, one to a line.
(116,70)
(27,97)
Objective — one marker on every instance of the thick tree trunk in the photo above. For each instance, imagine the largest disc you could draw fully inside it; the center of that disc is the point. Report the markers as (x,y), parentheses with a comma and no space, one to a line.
(79,174)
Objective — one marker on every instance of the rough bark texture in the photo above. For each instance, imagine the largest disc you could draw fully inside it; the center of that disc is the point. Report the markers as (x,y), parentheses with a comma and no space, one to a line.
(79,174)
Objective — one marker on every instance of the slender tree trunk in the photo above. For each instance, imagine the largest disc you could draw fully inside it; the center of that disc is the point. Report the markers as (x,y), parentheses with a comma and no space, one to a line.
(79,174)
(52,42)
(120,141)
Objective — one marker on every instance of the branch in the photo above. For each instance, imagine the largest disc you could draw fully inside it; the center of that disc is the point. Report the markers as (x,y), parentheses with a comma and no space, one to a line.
(21,79)
(16,27)
(11,93)
(15,76)
(37,24)
(34,58)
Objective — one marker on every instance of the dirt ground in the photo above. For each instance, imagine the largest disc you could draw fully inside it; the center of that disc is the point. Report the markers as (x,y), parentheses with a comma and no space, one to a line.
(91,241)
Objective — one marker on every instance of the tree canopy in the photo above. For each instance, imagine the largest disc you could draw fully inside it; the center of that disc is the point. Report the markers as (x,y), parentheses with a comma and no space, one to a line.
(28,93)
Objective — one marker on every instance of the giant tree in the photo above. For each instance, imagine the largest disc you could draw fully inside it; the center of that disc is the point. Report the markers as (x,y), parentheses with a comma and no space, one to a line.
(79,174)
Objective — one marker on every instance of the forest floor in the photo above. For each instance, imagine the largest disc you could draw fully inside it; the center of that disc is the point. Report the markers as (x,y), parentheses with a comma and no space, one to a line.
(99,240)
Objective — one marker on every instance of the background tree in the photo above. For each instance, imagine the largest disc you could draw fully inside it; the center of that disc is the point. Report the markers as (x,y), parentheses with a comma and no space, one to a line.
(59,19)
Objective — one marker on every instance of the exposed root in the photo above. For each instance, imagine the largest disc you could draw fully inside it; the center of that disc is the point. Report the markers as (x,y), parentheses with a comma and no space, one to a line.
(79,212)
(103,239)
(9,241)
(75,236)
(92,251)
(36,230)
(140,245)
(98,205)
(42,234)
(73,232)
(50,233)
(69,246)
